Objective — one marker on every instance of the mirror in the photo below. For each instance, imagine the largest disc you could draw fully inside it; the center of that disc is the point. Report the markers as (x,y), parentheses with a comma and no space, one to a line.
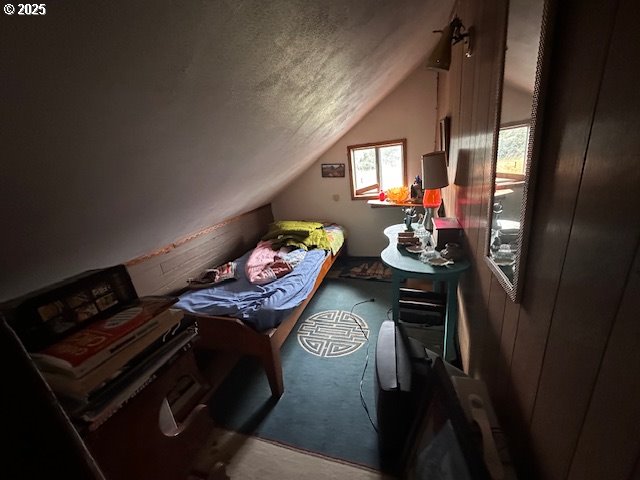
(516,140)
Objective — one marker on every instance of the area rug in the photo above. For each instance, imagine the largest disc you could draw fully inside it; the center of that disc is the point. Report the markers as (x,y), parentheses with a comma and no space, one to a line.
(365,268)
(323,360)
(234,456)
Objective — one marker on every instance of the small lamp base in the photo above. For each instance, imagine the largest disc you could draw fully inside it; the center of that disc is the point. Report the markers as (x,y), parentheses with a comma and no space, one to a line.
(431,202)
(429,214)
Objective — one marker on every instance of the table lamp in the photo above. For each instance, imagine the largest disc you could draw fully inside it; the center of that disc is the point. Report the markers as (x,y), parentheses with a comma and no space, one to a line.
(434,177)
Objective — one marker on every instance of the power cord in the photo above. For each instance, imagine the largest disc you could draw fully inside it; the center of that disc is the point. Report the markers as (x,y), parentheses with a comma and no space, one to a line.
(366,362)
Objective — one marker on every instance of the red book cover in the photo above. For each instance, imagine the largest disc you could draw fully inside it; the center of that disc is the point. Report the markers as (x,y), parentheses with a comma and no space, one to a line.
(81,352)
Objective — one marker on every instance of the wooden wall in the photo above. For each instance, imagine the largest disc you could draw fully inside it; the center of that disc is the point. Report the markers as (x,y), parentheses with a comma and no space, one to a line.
(563,366)
(167,269)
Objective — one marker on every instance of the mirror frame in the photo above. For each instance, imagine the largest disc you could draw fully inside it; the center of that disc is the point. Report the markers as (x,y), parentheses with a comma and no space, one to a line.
(514,289)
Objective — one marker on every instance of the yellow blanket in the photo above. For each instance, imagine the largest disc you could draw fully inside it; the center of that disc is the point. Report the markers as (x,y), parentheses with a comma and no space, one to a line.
(298,234)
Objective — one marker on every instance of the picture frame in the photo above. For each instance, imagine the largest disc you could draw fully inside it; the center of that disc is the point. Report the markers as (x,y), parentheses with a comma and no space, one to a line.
(333,170)
(444,134)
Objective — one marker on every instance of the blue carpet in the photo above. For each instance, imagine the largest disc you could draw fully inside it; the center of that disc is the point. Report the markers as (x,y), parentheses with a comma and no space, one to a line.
(321,410)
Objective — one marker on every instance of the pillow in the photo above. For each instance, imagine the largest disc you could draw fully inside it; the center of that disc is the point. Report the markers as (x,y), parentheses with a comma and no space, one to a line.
(213,276)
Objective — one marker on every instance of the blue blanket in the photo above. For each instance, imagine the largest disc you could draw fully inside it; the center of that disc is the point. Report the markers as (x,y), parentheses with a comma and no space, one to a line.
(260,306)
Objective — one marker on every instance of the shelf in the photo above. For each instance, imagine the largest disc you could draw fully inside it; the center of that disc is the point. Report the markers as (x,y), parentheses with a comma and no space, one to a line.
(384,203)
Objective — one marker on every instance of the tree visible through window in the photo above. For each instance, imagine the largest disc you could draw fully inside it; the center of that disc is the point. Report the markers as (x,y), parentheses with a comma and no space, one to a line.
(512,150)
(377,166)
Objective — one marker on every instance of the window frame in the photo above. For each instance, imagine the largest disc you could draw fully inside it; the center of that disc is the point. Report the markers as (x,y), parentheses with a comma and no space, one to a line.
(387,143)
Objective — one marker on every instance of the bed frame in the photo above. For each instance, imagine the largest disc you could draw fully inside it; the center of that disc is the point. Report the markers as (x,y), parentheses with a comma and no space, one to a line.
(166,271)
(231,334)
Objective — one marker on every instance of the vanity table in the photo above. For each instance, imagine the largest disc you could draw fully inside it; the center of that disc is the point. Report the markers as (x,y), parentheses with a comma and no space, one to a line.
(408,265)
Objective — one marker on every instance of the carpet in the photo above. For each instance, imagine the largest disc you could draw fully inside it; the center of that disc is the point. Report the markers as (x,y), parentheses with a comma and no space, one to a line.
(323,359)
(232,455)
(364,268)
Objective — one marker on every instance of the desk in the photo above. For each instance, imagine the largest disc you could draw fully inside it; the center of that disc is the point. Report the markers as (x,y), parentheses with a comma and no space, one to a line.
(408,265)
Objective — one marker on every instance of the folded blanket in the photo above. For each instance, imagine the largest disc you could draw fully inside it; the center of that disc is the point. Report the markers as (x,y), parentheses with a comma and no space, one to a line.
(298,234)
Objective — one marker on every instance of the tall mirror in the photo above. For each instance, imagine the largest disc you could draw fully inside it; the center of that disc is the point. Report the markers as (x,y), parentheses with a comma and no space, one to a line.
(516,141)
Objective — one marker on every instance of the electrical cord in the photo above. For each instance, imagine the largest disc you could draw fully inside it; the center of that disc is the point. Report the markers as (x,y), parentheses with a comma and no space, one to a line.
(366,362)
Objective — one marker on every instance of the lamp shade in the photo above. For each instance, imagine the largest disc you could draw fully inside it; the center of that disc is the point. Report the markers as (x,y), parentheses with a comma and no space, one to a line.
(434,170)
(440,58)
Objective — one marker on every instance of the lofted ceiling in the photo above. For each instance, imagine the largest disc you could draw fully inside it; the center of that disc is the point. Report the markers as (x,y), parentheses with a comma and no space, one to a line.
(128,125)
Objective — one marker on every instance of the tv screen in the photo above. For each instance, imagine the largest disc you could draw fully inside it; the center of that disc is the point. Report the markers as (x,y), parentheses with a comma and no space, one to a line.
(443,445)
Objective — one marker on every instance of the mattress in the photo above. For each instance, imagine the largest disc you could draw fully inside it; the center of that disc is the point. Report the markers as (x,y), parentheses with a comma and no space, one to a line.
(259,306)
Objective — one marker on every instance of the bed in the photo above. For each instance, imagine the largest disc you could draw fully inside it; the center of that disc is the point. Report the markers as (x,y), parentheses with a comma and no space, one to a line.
(254,313)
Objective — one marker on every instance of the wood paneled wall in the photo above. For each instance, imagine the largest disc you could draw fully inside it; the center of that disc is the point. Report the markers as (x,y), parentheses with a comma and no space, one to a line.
(563,366)
(167,269)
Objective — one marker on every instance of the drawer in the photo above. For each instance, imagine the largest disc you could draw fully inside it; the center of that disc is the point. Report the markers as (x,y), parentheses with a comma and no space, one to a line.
(140,441)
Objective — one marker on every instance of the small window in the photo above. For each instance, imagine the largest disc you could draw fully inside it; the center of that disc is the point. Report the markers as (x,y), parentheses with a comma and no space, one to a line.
(377,166)
(513,142)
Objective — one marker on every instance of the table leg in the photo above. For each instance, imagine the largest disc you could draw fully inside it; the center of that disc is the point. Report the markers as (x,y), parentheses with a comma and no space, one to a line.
(395,302)
(451,321)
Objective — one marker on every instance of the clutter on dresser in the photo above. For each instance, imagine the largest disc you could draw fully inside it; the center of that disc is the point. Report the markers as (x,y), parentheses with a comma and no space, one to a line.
(452,251)
(121,367)
(95,342)
(446,230)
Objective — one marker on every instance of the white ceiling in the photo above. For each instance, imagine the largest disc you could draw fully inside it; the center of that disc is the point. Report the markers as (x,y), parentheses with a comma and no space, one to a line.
(131,124)
(523,39)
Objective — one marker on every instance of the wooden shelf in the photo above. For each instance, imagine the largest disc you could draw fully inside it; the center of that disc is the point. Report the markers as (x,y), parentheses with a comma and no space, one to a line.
(384,203)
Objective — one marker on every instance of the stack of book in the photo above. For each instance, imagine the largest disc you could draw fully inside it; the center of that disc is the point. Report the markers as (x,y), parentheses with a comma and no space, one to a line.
(97,369)
(421,316)
(421,307)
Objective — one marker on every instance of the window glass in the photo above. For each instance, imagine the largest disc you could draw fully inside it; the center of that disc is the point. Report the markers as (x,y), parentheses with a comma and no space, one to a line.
(391,174)
(377,166)
(364,168)
(512,150)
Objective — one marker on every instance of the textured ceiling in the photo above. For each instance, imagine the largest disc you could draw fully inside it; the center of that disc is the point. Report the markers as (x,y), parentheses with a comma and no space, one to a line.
(131,124)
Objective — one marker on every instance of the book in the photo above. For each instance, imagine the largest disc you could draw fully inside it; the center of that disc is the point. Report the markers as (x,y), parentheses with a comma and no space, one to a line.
(112,400)
(49,314)
(80,388)
(81,352)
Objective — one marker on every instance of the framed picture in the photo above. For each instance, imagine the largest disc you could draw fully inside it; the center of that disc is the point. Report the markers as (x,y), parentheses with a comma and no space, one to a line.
(444,445)
(445,135)
(333,169)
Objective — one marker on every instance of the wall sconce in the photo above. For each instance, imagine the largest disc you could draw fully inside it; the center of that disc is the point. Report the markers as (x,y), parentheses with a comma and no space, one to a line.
(434,177)
(455,32)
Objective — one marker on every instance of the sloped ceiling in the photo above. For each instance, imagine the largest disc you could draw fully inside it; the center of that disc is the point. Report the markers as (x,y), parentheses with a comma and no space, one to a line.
(128,125)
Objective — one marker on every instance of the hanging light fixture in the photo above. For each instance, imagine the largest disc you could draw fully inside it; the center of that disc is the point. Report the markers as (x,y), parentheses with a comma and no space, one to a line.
(454,32)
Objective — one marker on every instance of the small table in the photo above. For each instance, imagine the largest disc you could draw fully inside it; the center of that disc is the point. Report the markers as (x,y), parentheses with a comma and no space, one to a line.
(408,265)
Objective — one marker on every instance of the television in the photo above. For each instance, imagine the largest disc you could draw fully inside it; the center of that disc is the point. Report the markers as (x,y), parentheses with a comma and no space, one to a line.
(442,443)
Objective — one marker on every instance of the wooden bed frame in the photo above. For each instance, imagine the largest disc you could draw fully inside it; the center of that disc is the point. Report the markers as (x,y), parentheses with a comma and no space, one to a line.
(166,270)
(231,334)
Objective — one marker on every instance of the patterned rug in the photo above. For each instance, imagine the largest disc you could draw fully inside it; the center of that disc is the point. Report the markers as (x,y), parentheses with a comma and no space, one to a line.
(323,363)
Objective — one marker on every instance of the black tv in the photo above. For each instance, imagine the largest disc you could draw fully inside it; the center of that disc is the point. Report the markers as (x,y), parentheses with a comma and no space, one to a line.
(442,444)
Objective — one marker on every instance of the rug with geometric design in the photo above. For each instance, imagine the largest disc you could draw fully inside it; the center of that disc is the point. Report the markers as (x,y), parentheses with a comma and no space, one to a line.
(332,333)
(323,360)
